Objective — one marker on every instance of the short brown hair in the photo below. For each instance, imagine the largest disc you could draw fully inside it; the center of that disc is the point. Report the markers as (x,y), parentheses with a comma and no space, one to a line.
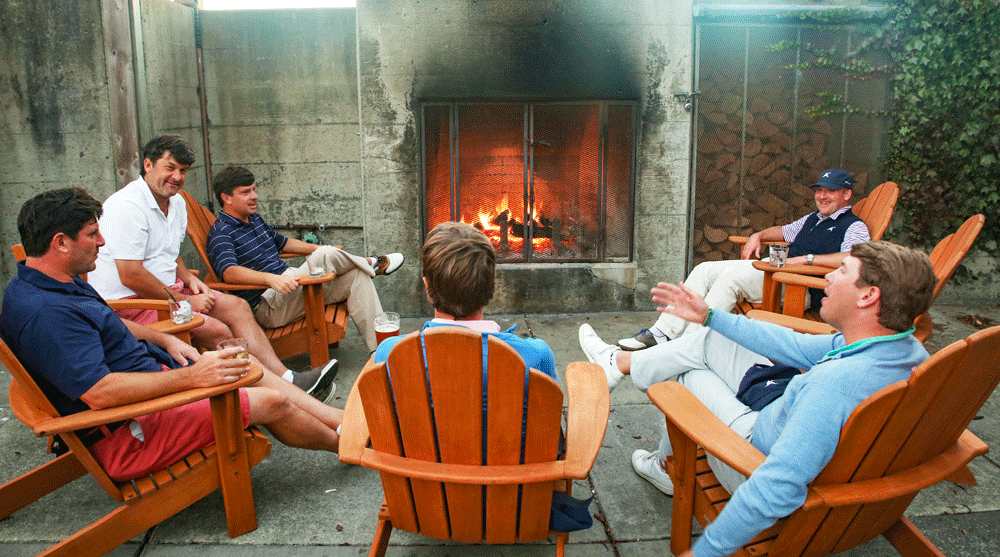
(65,210)
(174,144)
(460,267)
(230,178)
(904,276)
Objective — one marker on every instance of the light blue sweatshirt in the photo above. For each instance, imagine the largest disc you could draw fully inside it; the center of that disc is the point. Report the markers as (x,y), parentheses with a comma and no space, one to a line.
(799,430)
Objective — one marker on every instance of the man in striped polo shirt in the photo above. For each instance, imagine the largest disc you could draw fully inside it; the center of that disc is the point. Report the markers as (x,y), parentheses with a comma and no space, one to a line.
(243,248)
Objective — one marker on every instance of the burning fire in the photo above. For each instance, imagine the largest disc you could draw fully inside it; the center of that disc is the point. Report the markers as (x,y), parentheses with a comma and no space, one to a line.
(493,222)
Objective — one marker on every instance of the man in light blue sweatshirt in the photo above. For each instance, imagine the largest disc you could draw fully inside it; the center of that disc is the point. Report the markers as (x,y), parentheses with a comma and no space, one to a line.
(873,298)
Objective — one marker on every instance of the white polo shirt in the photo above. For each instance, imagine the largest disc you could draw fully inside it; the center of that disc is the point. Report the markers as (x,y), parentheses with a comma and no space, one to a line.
(135,229)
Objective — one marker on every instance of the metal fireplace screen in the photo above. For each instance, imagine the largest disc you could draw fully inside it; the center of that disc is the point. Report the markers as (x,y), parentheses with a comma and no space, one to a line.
(545,181)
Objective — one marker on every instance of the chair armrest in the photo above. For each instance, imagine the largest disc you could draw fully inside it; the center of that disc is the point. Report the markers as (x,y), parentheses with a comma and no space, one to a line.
(795,323)
(904,482)
(171,328)
(92,418)
(586,417)
(354,436)
(797,269)
(794,279)
(744,239)
(699,424)
(139,303)
(304,280)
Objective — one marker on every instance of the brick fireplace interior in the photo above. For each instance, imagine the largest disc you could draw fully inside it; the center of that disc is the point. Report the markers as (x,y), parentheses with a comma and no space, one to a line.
(546,181)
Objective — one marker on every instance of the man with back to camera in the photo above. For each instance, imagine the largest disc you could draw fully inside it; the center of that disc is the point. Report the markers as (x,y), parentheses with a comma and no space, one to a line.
(144,224)
(872,298)
(823,237)
(242,248)
(83,356)
(459,270)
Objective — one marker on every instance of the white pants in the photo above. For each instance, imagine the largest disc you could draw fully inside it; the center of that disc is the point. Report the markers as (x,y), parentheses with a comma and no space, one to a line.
(722,283)
(352,283)
(711,366)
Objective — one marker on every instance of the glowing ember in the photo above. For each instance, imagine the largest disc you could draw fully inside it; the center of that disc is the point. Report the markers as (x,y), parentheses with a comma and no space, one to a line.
(487,221)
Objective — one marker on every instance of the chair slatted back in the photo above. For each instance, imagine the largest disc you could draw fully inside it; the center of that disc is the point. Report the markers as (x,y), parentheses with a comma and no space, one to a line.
(200,221)
(948,253)
(31,406)
(432,409)
(876,209)
(901,426)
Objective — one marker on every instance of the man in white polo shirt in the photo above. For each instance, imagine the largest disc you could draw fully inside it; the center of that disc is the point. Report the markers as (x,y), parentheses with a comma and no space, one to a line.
(144,224)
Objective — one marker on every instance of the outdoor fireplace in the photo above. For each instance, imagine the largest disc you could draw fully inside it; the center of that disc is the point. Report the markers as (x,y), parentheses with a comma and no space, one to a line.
(546,181)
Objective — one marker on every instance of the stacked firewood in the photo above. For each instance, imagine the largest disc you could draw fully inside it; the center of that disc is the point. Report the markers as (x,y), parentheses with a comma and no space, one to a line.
(756,161)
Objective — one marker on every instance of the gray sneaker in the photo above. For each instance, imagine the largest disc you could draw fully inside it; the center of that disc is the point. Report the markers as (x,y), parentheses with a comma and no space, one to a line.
(647,465)
(318,380)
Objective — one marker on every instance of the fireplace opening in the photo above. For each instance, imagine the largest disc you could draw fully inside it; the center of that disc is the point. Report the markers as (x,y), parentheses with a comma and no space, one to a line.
(546,182)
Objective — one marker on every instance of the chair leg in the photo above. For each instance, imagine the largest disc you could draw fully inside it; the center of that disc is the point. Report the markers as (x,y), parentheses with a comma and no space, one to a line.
(41,481)
(909,541)
(561,539)
(382,532)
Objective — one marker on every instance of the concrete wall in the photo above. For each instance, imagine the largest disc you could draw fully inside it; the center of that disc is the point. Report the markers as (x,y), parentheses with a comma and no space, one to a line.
(283,101)
(411,51)
(54,127)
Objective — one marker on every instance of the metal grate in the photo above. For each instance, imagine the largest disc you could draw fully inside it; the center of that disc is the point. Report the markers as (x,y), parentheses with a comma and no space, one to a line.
(545,181)
(757,150)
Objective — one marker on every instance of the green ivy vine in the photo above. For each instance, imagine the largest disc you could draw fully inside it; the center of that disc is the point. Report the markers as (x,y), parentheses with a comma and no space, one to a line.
(944,142)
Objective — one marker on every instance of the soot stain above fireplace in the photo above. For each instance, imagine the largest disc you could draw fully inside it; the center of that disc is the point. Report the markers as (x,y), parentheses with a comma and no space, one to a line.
(532,54)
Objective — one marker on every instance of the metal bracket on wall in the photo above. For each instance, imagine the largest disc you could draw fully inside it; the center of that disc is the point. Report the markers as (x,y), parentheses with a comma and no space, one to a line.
(687,98)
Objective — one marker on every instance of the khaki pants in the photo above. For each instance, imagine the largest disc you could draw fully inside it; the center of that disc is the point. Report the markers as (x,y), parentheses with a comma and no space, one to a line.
(352,283)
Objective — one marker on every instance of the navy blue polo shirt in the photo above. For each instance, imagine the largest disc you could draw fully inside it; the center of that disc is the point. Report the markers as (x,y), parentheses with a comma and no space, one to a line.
(251,244)
(68,338)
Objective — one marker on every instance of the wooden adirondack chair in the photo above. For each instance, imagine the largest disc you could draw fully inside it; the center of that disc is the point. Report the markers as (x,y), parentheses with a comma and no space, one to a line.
(145,501)
(165,325)
(876,212)
(322,326)
(436,489)
(908,436)
(945,257)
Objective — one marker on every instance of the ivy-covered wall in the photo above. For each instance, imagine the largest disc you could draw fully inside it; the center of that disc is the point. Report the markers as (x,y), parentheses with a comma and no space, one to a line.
(944,144)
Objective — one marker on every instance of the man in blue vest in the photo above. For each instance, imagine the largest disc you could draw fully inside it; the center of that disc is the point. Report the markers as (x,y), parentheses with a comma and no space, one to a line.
(822,238)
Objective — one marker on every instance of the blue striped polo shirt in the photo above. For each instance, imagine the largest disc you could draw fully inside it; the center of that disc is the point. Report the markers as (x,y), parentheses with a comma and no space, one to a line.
(251,244)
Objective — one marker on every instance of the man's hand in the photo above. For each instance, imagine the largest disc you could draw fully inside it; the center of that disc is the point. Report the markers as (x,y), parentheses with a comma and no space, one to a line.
(202,303)
(197,286)
(180,351)
(218,368)
(681,301)
(282,284)
(751,249)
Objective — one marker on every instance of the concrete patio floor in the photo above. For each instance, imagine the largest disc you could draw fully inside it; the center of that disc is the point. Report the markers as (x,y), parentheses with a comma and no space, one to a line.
(309,504)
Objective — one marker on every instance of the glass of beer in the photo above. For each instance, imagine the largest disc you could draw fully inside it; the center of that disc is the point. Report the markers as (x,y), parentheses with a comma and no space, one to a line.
(235,342)
(386,325)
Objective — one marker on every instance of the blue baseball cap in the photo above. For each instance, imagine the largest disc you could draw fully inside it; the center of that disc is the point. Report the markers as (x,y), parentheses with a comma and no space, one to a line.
(834,179)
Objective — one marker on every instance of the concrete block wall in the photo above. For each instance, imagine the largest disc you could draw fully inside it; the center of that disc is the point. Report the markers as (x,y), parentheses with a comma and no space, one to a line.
(282,89)
(54,126)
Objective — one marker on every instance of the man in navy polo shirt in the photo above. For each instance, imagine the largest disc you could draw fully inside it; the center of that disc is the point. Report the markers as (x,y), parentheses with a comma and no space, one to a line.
(82,355)
(822,238)
(242,248)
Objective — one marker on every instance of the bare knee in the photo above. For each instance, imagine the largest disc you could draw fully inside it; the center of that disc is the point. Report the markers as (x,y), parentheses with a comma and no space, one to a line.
(268,406)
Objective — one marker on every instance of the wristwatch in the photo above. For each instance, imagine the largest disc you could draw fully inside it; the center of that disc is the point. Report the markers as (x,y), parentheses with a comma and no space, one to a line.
(809,258)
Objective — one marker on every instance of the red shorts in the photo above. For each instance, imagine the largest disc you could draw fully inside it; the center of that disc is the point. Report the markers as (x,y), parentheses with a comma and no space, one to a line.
(149,316)
(149,443)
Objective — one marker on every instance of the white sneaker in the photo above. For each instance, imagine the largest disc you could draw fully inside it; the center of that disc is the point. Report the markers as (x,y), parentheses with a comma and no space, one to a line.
(387,264)
(647,465)
(600,352)
(642,340)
